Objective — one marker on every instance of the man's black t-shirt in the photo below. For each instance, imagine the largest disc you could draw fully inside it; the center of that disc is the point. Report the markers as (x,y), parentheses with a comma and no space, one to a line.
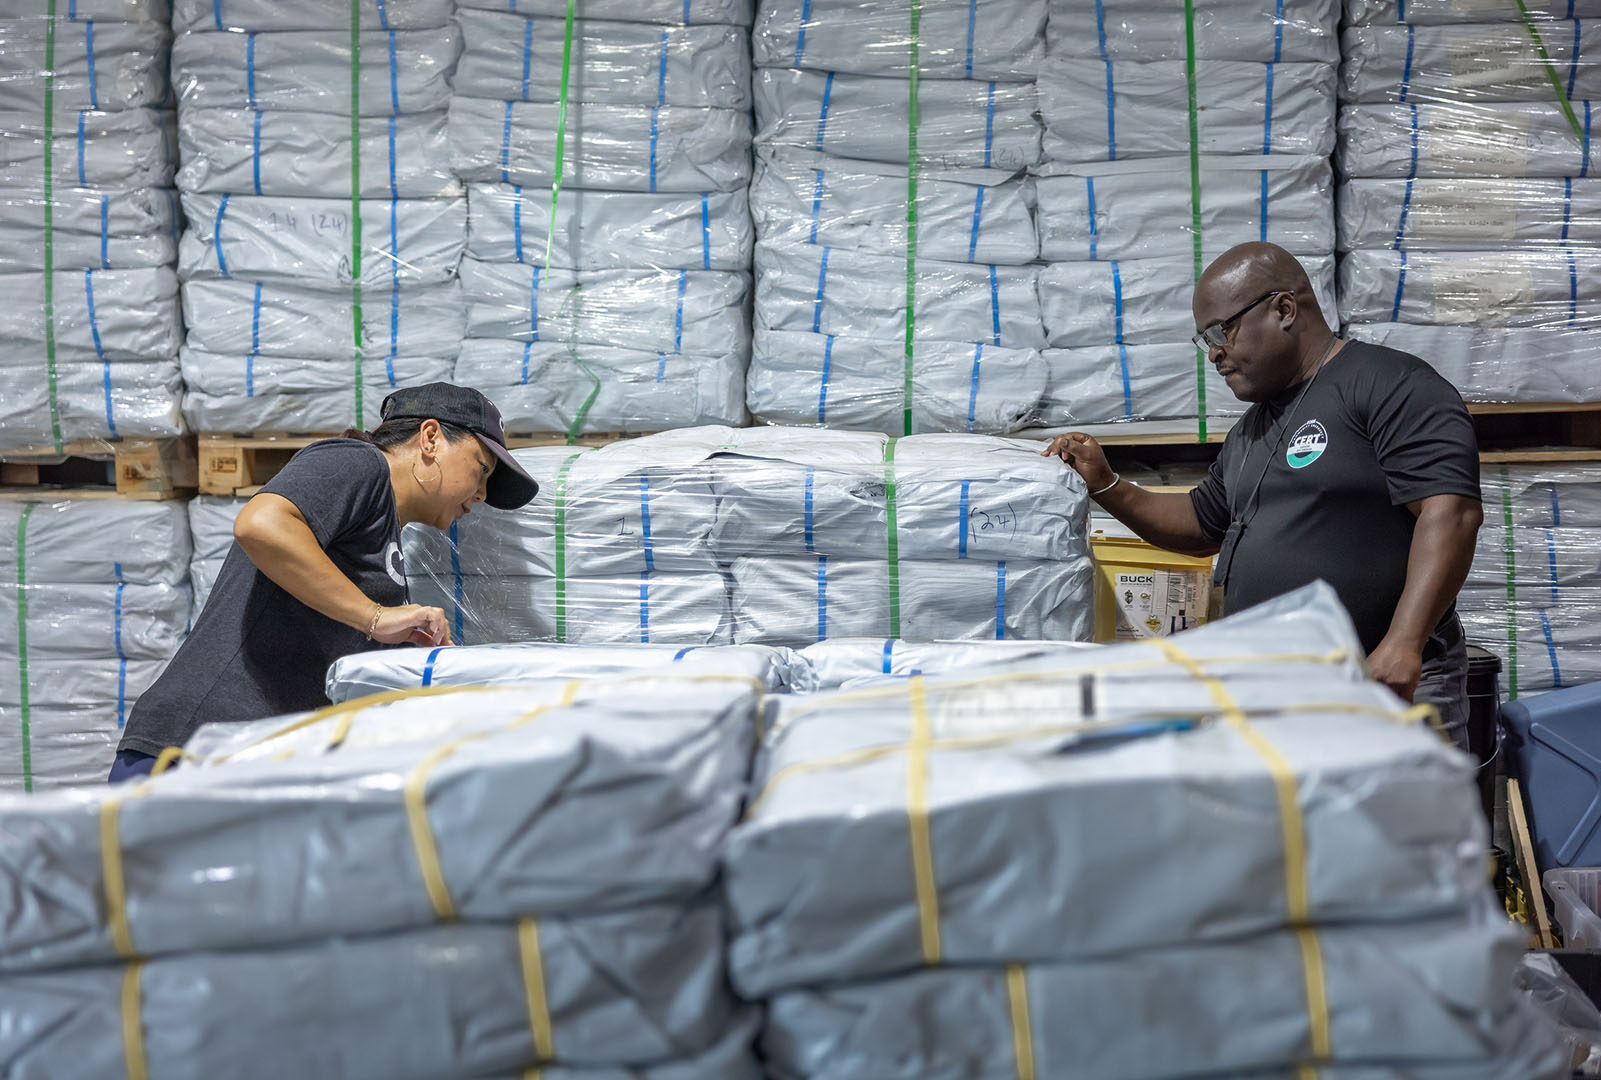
(256,651)
(1377,429)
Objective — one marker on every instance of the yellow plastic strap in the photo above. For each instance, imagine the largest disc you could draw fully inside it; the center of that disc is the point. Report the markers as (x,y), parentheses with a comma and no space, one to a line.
(534,985)
(112,879)
(1022,1025)
(1293,828)
(917,822)
(166,759)
(133,1037)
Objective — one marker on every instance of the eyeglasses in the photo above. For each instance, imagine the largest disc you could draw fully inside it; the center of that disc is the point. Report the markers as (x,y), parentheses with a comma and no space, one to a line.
(1217,335)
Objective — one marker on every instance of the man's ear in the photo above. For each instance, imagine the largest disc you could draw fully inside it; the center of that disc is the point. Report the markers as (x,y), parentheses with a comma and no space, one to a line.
(1288,308)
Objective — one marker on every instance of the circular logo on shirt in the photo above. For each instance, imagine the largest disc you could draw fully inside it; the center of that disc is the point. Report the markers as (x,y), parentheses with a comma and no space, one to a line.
(1307,445)
(394,564)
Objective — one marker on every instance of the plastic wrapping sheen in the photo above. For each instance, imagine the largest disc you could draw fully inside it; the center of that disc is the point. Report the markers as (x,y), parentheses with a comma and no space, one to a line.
(98,64)
(1497,363)
(126,149)
(507,56)
(1438,12)
(1298,31)
(1106,384)
(312,322)
(241,393)
(661,12)
(1464,64)
(239,15)
(989,39)
(1526,288)
(92,401)
(1515,139)
(840,662)
(1441,212)
(94,229)
(134,317)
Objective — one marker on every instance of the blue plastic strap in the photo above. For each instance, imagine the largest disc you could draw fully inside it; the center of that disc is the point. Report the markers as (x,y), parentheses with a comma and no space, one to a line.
(1573,58)
(517,220)
(83,180)
(817,203)
(1573,288)
(978,213)
(255,153)
(1567,206)
(533,306)
(1111,108)
(661,366)
(1000,600)
(1551,650)
(1117,303)
(394,282)
(961,521)
(216,237)
(705,231)
(655,118)
(528,347)
(1267,113)
(1400,288)
(394,78)
(644,607)
(122,657)
(1262,217)
(995,303)
(255,343)
(1278,31)
(460,586)
(800,41)
(661,72)
(105,365)
(1412,170)
(972,390)
(250,69)
(505,147)
(1400,11)
(889,653)
(1095,239)
(1406,70)
(105,232)
(822,115)
(822,597)
(686,12)
(1406,209)
(428,667)
(1556,508)
(1128,389)
(989,125)
(817,304)
(528,55)
(216,12)
(89,49)
(644,522)
(1551,560)
(822,390)
(678,316)
(383,15)
(972,20)
(810,538)
(72,10)
(1584,167)
(685,651)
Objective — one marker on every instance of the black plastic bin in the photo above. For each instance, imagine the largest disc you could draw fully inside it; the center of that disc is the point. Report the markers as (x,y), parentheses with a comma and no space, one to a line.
(1484,711)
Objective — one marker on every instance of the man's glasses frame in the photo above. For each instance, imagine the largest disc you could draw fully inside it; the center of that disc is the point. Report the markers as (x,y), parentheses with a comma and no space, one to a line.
(1216,335)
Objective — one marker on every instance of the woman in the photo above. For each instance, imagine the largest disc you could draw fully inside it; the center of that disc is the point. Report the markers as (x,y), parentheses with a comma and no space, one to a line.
(316,571)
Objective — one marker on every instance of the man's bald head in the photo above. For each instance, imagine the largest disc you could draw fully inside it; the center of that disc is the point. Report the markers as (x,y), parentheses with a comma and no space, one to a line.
(1246,271)
(1263,301)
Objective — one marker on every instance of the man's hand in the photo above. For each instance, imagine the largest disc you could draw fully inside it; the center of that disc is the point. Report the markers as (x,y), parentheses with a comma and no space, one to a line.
(1085,456)
(1397,666)
(412,624)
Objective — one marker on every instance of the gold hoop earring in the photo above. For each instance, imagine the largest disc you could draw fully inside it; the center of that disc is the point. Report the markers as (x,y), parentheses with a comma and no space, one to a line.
(438,472)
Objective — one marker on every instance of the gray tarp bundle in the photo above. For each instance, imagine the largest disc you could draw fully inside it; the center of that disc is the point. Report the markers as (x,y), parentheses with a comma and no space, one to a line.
(95,603)
(1108,383)
(211,519)
(109,229)
(996,39)
(1438,12)
(1449,212)
(843,661)
(1501,139)
(1526,288)
(1480,61)
(1295,31)
(112,65)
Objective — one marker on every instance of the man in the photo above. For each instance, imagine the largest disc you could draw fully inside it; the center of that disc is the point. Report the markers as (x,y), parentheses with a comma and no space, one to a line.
(1355,463)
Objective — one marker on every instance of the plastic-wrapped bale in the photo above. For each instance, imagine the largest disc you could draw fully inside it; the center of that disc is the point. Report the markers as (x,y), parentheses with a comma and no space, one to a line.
(1522,289)
(87,225)
(843,662)
(1462,64)
(618,300)
(1505,139)
(1298,31)
(1442,12)
(363,674)
(991,39)
(636,537)
(1319,962)
(211,519)
(96,603)
(342,264)
(1112,383)
(1456,213)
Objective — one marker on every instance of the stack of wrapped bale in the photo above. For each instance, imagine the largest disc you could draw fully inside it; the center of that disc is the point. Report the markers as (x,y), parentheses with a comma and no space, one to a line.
(841,662)
(1533,596)
(88,224)
(456,911)
(1173,133)
(1255,83)
(211,520)
(894,290)
(608,158)
(1468,208)
(319,269)
(776,536)
(1133,865)
(94,603)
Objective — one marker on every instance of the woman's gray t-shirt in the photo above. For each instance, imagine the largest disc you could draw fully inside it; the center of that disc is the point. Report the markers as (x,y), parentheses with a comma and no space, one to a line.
(256,651)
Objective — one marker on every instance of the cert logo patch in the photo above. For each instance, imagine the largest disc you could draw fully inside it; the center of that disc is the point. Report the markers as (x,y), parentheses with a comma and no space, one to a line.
(394,564)
(1307,445)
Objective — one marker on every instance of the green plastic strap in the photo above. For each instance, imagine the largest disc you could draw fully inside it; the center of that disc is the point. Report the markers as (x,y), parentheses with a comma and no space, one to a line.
(50,230)
(1551,74)
(355,206)
(561,548)
(911,219)
(893,554)
(1195,204)
(1511,585)
(22,644)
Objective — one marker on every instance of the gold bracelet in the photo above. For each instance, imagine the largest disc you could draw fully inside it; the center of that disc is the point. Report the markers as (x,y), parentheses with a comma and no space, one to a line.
(377,613)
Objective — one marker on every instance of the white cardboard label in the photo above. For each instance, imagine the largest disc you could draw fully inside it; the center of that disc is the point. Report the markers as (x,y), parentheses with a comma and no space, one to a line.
(1440,210)
(1477,64)
(1477,291)
(1477,142)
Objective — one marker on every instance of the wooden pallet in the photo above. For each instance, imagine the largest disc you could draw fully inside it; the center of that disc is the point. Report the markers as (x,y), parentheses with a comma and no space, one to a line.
(130,469)
(240,464)
(1528,433)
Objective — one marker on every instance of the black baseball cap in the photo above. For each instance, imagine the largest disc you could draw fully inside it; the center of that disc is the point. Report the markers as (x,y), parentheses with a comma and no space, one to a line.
(509,486)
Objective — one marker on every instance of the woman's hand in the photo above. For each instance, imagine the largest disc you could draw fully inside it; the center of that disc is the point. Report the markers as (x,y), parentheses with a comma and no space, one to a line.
(412,624)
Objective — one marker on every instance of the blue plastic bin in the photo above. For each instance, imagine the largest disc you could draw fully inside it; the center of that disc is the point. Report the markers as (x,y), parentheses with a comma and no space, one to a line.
(1553,745)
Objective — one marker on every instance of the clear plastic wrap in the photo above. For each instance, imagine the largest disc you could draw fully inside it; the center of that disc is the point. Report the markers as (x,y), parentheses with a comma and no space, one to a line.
(132,11)
(392,74)
(227,392)
(127,149)
(961,124)
(211,519)
(1106,384)
(134,317)
(1296,31)
(1114,111)
(236,15)
(661,12)
(1525,288)
(1491,62)
(1497,363)
(1134,210)
(1511,139)
(1461,213)
(98,64)
(308,321)
(844,662)
(929,537)
(1438,12)
(984,40)
(94,229)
